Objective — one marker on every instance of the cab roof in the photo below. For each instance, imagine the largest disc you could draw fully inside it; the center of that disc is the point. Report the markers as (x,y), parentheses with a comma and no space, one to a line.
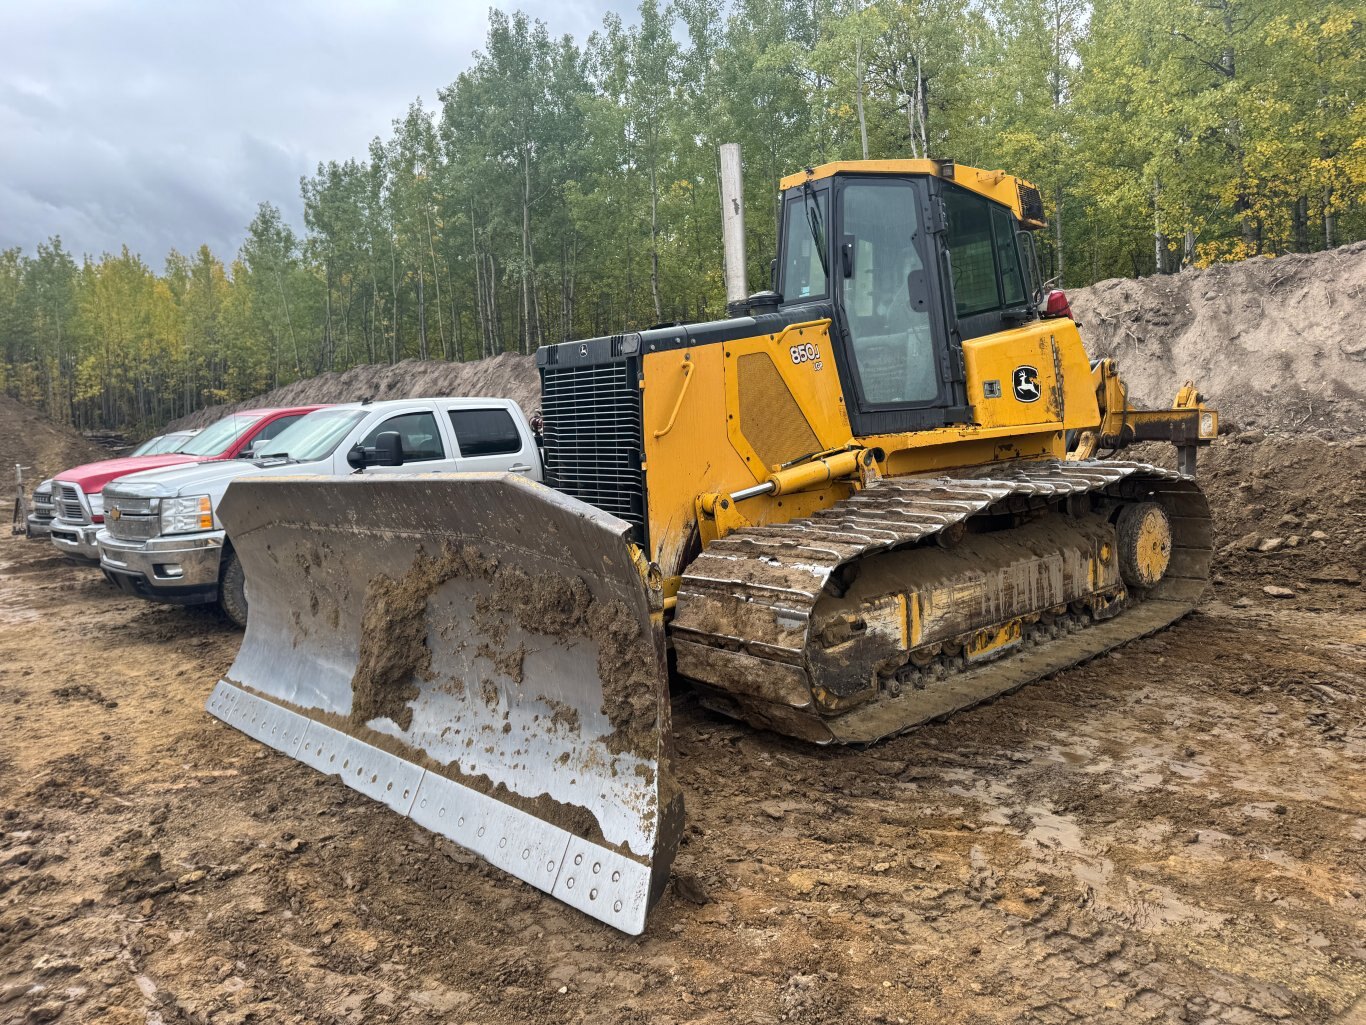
(1007,189)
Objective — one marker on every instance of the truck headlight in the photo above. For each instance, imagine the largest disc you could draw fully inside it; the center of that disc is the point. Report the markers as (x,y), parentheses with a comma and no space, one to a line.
(186,515)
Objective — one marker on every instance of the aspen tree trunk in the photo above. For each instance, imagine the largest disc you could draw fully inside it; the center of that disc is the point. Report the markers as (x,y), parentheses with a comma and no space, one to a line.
(436,277)
(421,317)
(525,340)
(654,240)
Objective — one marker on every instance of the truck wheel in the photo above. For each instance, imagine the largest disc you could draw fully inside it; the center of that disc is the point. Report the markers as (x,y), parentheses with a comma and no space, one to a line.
(232,590)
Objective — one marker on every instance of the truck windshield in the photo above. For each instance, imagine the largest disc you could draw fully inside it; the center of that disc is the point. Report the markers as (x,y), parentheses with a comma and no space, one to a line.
(315,436)
(218,438)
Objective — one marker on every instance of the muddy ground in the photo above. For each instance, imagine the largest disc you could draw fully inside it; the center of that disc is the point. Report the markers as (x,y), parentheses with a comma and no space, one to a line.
(1173,833)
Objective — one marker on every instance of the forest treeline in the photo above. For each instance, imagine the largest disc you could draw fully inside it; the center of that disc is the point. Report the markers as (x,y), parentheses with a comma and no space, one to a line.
(561,188)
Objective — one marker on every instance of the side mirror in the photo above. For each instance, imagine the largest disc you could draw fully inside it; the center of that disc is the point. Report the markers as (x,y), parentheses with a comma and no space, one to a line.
(355,457)
(389,449)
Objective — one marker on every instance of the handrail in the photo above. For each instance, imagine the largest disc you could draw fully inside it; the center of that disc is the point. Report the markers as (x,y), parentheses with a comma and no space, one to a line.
(687,378)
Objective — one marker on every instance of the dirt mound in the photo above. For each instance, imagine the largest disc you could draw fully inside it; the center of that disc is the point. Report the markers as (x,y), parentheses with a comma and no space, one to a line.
(29,438)
(506,376)
(1289,512)
(1275,343)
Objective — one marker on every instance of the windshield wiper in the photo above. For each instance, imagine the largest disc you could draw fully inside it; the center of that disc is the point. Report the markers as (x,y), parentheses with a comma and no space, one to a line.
(816,222)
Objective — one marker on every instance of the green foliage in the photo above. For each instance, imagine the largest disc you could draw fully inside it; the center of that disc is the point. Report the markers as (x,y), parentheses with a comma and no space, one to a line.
(564,189)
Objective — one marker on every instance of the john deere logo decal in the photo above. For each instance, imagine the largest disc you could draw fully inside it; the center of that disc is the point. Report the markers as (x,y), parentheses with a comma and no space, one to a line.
(1026,384)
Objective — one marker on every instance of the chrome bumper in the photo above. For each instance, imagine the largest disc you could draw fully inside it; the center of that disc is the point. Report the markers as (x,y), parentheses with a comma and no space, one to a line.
(75,539)
(177,564)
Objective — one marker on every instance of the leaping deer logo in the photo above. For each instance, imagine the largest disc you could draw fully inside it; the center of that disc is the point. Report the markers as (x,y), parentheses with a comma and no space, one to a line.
(1026,384)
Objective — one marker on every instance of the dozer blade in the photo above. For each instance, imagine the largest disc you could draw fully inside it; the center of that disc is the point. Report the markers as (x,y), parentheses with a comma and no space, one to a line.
(476,652)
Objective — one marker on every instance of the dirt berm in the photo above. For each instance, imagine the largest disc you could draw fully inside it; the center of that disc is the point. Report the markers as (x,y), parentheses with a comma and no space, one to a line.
(1273,343)
(29,438)
(508,376)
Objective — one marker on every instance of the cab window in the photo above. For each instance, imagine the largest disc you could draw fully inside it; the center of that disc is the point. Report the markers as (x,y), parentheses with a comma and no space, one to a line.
(883,285)
(804,236)
(273,428)
(485,432)
(982,248)
(419,433)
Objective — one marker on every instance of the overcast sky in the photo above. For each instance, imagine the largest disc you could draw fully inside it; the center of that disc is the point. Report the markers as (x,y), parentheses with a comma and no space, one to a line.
(163,123)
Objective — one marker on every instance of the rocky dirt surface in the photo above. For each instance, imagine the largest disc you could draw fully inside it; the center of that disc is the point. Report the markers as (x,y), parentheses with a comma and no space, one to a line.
(1172,833)
(1275,343)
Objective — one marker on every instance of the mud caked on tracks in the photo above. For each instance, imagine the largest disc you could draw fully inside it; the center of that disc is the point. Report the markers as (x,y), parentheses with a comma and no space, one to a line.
(1173,832)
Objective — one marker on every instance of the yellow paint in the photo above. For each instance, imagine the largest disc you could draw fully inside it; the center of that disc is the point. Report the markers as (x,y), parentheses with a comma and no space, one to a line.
(995,185)
(992,640)
(682,394)
(696,444)
(1153,550)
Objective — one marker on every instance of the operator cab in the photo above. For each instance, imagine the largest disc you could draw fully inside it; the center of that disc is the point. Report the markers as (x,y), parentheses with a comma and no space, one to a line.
(914,256)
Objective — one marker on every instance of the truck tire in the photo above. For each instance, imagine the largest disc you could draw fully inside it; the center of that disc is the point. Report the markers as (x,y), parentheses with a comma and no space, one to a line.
(232,590)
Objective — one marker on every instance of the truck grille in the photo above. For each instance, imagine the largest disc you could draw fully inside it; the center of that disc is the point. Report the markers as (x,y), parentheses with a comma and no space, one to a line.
(132,528)
(138,518)
(68,504)
(592,429)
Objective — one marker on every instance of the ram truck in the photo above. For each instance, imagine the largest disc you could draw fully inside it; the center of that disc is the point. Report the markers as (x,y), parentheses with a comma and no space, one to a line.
(39,521)
(78,493)
(162,539)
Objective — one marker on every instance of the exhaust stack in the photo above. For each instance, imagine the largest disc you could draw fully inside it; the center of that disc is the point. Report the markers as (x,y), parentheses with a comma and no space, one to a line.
(733,228)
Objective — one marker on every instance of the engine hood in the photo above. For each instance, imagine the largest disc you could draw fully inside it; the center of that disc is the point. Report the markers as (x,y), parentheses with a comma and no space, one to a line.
(194,479)
(92,477)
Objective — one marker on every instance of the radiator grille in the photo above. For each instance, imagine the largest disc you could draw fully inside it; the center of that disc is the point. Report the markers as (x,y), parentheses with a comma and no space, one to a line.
(592,431)
(68,504)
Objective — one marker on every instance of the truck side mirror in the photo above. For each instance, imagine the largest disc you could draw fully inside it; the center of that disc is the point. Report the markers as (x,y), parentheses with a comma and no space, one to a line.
(355,457)
(389,449)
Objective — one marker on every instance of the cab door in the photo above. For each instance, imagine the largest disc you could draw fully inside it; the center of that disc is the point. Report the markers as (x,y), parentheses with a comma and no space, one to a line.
(425,446)
(490,439)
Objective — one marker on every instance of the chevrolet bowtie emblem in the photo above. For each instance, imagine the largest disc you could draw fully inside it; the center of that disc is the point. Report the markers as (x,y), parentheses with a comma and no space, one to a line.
(114,513)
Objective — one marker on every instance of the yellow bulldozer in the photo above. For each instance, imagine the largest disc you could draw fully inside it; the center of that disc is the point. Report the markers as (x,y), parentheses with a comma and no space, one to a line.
(865,500)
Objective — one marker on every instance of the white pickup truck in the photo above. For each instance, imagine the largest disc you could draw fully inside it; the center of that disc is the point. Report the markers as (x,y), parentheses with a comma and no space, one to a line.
(162,539)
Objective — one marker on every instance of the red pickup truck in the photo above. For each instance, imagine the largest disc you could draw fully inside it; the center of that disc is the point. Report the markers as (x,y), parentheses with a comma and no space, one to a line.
(76,493)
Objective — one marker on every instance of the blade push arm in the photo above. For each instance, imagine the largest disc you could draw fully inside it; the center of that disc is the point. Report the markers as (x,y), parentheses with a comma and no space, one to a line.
(1188,424)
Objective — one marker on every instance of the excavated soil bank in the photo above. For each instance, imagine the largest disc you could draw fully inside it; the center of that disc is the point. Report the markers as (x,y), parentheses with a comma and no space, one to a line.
(508,376)
(1272,343)
(30,439)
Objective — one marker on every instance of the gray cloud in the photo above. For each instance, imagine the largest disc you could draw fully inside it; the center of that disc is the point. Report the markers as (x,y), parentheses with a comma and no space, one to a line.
(160,124)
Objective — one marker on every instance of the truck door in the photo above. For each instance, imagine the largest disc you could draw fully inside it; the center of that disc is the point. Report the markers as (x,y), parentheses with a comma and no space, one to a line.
(490,439)
(424,449)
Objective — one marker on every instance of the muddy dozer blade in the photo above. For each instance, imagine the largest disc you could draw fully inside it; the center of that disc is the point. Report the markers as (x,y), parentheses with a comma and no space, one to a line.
(476,652)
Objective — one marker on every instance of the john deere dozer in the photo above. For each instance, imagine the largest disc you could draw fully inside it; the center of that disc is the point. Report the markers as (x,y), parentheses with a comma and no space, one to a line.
(846,510)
